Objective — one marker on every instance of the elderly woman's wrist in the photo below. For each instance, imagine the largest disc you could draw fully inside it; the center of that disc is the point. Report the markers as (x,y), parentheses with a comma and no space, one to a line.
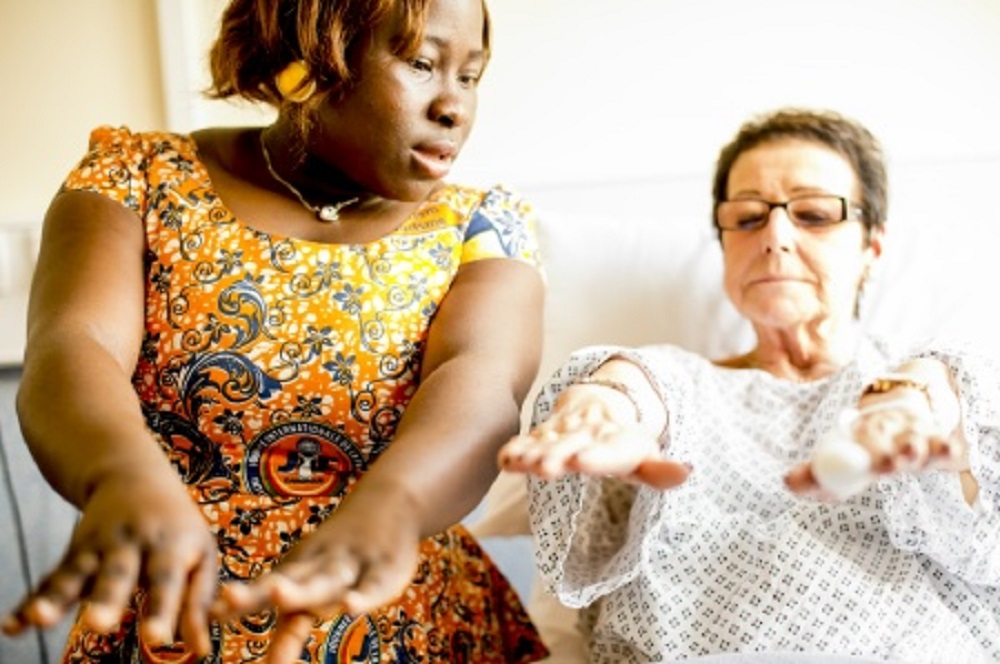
(918,391)
(618,387)
(634,384)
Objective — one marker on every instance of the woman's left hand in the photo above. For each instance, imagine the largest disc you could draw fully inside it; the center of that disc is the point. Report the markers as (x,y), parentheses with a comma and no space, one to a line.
(896,434)
(356,561)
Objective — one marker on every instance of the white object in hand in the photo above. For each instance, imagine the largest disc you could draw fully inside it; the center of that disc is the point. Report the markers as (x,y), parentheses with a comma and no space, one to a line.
(841,466)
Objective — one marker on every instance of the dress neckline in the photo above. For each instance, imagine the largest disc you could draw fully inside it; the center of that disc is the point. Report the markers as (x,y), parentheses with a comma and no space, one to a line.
(201,172)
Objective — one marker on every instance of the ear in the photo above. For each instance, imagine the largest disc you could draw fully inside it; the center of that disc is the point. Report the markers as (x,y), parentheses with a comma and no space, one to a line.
(876,238)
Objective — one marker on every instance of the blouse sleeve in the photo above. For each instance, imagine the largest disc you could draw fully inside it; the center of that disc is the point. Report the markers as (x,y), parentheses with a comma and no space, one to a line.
(114,166)
(590,533)
(927,513)
(503,225)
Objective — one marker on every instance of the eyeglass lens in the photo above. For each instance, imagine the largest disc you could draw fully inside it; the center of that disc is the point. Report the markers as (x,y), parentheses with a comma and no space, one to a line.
(807,212)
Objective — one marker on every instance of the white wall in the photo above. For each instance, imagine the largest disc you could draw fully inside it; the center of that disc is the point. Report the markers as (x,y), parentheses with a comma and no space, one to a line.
(652,88)
(66,66)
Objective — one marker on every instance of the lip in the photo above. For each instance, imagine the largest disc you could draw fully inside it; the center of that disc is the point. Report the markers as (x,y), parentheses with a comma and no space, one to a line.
(435,158)
(775,280)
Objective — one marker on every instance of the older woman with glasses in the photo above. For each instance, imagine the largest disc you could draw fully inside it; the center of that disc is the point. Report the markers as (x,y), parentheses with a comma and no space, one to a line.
(825,492)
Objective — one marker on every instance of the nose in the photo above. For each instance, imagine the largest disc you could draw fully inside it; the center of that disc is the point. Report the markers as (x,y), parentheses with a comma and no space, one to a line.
(451,107)
(779,233)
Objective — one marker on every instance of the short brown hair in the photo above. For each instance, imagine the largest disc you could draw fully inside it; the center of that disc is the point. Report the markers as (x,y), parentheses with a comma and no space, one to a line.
(838,132)
(258,38)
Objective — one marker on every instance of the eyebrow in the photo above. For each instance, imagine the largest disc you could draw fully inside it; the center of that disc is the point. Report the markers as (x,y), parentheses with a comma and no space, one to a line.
(795,191)
(445,45)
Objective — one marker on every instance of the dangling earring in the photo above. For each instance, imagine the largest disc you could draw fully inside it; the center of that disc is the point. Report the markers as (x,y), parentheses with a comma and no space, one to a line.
(291,82)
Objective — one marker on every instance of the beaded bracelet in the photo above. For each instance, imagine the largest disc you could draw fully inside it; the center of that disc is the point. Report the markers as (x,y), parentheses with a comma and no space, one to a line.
(617,386)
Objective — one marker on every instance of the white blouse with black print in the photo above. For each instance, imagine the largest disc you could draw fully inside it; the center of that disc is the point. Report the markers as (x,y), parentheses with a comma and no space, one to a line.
(731,561)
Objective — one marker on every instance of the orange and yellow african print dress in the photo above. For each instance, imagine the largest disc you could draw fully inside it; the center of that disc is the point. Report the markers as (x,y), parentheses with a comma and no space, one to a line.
(274,372)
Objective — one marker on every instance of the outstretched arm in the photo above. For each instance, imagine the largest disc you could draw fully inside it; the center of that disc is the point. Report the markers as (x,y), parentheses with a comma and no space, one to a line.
(82,422)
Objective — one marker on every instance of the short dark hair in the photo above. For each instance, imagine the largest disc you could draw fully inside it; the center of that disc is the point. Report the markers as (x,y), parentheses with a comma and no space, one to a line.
(838,132)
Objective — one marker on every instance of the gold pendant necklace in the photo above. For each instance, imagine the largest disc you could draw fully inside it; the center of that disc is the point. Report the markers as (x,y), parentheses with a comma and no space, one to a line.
(327,213)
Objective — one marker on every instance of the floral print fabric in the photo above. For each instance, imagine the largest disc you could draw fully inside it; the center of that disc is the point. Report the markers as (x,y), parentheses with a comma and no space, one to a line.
(274,371)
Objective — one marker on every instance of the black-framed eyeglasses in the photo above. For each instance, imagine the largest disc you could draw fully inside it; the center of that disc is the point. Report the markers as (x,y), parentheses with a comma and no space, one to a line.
(810,212)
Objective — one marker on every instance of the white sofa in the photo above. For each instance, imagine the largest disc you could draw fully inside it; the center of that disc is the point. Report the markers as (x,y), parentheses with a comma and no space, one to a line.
(638,262)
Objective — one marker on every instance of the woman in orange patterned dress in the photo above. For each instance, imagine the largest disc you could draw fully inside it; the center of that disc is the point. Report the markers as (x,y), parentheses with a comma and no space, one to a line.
(273,366)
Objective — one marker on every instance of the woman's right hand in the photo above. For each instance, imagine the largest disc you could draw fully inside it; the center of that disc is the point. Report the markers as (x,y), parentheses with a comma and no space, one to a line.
(136,530)
(589,432)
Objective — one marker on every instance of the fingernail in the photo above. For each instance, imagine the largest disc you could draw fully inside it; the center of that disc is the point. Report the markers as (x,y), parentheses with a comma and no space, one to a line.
(101,618)
(155,632)
(43,611)
(882,463)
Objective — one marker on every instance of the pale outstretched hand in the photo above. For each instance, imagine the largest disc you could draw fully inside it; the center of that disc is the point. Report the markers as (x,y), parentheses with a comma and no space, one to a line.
(887,436)
(583,436)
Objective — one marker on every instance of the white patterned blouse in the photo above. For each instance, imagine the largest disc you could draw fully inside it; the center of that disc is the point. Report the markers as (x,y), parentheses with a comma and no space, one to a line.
(730,561)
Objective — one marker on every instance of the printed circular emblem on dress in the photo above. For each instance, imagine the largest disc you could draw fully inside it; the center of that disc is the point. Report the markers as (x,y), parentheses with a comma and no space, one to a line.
(301,459)
(354,641)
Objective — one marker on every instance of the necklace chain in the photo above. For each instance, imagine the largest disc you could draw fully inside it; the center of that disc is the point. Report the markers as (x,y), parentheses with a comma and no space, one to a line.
(327,213)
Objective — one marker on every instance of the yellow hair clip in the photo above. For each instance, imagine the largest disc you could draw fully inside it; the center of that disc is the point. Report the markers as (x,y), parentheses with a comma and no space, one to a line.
(291,82)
